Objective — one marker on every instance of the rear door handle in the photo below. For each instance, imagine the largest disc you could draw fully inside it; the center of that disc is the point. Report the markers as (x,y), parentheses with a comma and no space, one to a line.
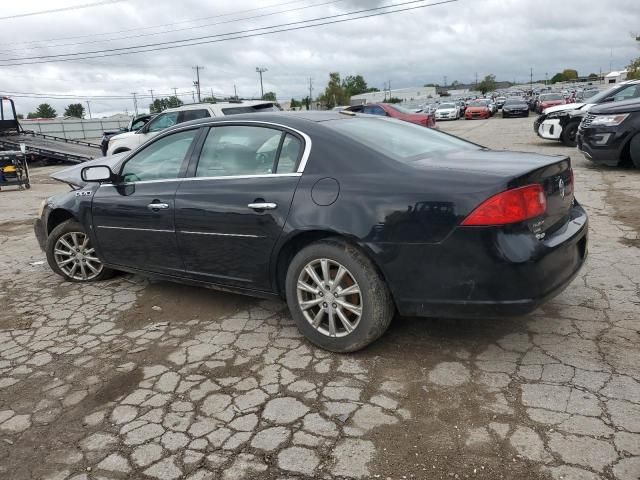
(263,206)
(158,206)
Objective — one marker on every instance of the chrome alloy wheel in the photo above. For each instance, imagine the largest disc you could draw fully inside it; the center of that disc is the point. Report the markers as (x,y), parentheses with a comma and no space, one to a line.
(329,297)
(75,256)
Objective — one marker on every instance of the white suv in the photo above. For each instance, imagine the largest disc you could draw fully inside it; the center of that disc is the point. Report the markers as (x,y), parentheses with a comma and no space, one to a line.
(170,117)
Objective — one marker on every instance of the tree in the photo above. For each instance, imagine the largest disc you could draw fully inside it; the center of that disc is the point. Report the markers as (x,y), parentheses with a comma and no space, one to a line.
(455,83)
(393,100)
(160,104)
(19,116)
(558,77)
(570,74)
(74,110)
(633,70)
(334,94)
(271,96)
(593,76)
(45,110)
(306,101)
(294,104)
(488,84)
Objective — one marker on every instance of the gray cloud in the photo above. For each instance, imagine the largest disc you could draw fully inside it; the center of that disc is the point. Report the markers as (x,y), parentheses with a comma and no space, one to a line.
(504,37)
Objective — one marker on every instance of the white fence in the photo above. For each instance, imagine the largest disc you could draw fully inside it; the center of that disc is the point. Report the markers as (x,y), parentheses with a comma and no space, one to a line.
(74,129)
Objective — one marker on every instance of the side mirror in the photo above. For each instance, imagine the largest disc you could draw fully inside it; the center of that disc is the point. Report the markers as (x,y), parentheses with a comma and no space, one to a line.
(97,173)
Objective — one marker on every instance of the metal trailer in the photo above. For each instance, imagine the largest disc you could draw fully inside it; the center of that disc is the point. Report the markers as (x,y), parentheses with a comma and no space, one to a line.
(38,145)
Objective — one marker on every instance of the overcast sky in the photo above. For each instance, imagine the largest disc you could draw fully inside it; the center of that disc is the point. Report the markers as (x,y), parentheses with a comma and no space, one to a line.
(503,37)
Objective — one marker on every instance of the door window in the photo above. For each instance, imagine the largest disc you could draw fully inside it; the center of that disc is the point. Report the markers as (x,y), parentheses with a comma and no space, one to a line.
(238,150)
(632,91)
(163,121)
(188,115)
(159,161)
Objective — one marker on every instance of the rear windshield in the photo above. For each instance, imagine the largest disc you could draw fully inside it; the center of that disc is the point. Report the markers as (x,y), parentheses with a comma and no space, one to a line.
(263,107)
(402,141)
(551,96)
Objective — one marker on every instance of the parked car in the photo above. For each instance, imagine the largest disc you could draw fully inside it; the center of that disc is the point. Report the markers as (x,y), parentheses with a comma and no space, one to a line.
(477,109)
(609,134)
(546,100)
(395,111)
(347,217)
(500,102)
(561,122)
(125,142)
(135,124)
(515,107)
(462,106)
(447,111)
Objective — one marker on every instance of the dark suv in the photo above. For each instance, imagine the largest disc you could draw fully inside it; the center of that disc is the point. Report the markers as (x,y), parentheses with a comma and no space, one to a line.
(610,134)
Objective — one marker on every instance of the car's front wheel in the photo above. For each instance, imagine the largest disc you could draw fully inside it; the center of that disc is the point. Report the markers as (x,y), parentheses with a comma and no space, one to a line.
(337,297)
(71,255)
(569,134)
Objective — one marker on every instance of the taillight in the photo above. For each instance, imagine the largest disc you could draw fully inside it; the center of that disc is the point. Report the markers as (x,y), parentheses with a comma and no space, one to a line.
(511,206)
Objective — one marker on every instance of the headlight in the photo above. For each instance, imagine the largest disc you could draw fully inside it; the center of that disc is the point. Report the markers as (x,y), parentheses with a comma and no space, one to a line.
(609,120)
(41,208)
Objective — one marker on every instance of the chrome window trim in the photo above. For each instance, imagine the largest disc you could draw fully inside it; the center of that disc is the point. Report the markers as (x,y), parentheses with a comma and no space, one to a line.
(215,234)
(190,179)
(135,229)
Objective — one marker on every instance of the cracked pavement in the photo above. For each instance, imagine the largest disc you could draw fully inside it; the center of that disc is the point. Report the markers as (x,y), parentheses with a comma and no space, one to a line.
(149,380)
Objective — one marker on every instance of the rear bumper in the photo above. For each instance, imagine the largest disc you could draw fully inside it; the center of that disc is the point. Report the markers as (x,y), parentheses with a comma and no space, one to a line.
(483,272)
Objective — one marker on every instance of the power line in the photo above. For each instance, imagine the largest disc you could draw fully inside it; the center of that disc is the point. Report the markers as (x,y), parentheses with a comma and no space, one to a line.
(63,9)
(205,40)
(174,30)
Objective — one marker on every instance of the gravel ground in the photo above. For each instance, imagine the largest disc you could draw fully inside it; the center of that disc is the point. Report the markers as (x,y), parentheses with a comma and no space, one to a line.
(150,380)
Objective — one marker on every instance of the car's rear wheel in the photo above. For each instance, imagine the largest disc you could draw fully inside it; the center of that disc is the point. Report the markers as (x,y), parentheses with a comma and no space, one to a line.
(71,255)
(634,150)
(569,134)
(337,297)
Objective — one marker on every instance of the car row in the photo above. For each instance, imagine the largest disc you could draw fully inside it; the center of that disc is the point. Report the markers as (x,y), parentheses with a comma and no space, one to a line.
(393,110)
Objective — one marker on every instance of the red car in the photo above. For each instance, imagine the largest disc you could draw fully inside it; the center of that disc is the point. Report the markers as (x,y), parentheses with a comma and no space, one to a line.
(547,100)
(395,111)
(477,109)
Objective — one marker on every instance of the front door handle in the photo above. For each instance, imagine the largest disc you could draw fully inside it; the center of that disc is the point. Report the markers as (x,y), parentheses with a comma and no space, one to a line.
(158,206)
(263,206)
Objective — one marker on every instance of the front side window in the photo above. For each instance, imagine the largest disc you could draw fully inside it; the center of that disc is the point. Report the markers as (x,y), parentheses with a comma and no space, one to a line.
(163,121)
(159,161)
(239,150)
(632,91)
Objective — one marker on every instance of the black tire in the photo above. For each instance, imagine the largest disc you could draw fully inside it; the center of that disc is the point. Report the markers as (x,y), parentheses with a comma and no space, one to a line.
(569,133)
(634,150)
(377,305)
(70,226)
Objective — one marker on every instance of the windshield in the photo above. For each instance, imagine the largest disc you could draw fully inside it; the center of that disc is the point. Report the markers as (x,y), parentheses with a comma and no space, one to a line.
(447,105)
(551,96)
(514,101)
(402,141)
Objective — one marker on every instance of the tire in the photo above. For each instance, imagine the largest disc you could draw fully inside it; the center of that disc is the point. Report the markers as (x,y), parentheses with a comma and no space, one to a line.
(634,150)
(373,297)
(569,133)
(72,234)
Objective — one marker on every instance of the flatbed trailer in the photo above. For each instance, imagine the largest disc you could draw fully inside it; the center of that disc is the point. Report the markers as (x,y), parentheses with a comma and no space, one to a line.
(39,145)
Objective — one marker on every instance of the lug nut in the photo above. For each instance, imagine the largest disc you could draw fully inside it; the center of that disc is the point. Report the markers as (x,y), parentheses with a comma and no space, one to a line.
(324,305)
(334,305)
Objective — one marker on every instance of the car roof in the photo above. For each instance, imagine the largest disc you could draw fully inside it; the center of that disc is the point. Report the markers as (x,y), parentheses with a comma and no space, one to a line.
(196,106)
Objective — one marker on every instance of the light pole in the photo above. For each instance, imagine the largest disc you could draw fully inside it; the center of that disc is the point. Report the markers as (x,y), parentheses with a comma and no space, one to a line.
(260,71)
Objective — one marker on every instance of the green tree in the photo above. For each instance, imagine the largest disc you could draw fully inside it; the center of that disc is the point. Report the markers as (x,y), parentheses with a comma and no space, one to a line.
(488,84)
(271,96)
(334,94)
(44,110)
(593,76)
(74,110)
(160,104)
(633,70)
(306,101)
(294,104)
(570,74)
(393,100)
(558,77)
(355,85)
(19,116)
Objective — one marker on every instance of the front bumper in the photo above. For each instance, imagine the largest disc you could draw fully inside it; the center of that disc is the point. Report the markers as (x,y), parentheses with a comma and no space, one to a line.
(483,272)
(602,145)
(40,232)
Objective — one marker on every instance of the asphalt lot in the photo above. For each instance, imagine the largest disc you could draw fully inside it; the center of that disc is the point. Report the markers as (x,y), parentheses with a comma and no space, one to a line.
(150,380)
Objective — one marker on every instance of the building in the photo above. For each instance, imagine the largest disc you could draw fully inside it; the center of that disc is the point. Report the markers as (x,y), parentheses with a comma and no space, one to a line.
(411,94)
(616,77)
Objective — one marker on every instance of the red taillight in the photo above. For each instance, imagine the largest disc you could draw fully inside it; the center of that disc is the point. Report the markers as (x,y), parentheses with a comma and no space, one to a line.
(512,206)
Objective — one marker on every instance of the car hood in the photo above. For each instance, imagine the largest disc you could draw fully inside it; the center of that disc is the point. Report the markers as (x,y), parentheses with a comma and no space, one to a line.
(123,135)
(518,106)
(446,110)
(568,106)
(477,109)
(625,106)
(71,175)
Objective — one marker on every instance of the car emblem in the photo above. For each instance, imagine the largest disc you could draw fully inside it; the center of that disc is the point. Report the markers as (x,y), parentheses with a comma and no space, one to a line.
(561,188)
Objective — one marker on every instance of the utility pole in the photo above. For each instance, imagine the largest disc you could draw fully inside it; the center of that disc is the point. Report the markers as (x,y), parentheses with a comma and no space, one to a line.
(151,92)
(531,79)
(260,71)
(89,108)
(193,95)
(310,93)
(212,97)
(546,77)
(445,81)
(235,91)
(175,91)
(135,103)
(197,68)
(476,81)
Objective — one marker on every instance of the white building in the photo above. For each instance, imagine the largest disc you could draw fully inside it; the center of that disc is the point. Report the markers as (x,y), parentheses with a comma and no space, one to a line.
(404,94)
(616,77)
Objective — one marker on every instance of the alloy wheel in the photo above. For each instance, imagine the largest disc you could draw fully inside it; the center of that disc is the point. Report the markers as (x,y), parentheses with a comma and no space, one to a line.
(329,297)
(75,256)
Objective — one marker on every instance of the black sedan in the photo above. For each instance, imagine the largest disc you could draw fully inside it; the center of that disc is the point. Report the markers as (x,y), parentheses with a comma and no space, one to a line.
(515,107)
(350,218)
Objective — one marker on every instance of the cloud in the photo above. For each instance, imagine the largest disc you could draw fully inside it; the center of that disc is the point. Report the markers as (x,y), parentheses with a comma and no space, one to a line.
(504,37)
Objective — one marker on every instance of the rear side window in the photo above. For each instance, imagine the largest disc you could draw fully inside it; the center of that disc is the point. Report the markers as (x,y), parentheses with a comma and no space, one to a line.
(188,115)
(402,141)
(263,107)
(289,154)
